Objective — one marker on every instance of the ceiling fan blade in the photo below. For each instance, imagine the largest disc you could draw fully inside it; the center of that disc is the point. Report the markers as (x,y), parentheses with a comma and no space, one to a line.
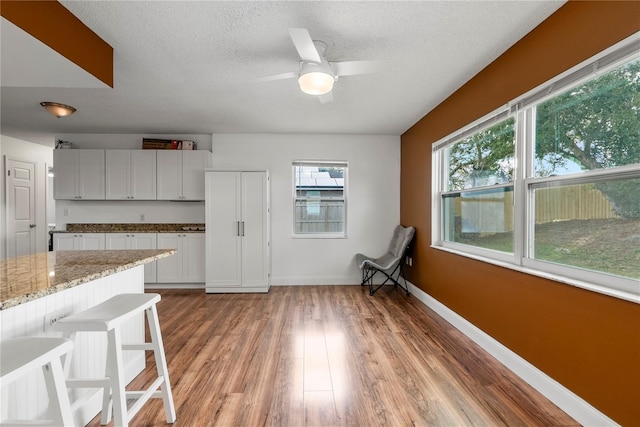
(350,68)
(304,45)
(276,77)
(327,97)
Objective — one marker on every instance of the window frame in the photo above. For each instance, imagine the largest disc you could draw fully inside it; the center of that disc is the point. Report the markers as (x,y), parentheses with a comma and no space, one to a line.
(320,163)
(524,181)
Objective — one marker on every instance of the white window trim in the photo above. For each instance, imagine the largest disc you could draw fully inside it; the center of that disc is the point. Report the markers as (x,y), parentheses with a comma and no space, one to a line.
(328,235)
(620,287)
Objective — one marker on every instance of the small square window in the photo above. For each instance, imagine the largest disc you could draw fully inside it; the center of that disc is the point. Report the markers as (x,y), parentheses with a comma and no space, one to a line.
(319,198)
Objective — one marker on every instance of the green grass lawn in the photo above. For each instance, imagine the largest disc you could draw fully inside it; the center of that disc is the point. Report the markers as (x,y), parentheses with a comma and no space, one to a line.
(606,245)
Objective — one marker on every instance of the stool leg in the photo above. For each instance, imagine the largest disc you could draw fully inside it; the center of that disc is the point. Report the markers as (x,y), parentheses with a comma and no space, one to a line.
(57,390)
(161,363)
(115,372)
(71,336)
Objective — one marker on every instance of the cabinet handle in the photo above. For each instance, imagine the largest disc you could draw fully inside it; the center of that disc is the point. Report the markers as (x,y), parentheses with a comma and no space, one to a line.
(242,228)
(238,228)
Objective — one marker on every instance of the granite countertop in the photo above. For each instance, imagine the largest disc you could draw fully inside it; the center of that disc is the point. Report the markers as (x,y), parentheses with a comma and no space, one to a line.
(133,228)
(27,278)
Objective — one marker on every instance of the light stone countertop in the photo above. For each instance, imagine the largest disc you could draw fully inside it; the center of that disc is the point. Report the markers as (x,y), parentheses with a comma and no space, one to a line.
(27,278)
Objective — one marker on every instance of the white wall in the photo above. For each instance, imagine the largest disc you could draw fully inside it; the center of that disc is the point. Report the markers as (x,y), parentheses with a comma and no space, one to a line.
(111,211)
(373,205)
(42,155)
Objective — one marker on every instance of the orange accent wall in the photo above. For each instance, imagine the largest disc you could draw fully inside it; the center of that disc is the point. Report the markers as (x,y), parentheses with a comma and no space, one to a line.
(52,24)
(588,342)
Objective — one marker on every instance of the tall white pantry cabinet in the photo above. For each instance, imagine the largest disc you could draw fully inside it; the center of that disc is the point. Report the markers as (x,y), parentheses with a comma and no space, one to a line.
(238,252)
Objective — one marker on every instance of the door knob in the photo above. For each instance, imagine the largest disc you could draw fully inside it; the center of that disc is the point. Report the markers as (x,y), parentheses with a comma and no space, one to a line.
(32,226)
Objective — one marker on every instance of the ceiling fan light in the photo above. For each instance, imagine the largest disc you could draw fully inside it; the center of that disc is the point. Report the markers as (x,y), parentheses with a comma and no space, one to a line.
(316,83)
(58,110)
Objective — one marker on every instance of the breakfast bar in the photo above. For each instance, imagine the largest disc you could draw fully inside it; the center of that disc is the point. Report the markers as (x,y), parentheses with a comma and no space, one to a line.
(38,290)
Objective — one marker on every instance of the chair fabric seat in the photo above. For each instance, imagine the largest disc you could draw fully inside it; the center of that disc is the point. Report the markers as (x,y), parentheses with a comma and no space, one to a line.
(389,264)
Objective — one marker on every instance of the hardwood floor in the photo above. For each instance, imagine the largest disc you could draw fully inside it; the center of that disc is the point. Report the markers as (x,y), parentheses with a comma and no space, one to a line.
(330,356)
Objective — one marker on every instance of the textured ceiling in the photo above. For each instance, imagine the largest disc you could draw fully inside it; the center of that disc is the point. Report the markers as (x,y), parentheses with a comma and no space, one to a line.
(187,66)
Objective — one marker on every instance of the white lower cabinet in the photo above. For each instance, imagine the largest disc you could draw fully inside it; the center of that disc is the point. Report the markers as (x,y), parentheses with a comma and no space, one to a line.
(237,230)
(187,265)
(78,241)
(135,241)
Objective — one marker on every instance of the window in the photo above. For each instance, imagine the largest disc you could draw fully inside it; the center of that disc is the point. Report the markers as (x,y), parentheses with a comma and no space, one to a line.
(551,183)
(478,208)
(319,198)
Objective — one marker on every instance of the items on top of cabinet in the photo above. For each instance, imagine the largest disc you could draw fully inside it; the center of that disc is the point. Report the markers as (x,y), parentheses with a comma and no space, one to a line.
(168,144)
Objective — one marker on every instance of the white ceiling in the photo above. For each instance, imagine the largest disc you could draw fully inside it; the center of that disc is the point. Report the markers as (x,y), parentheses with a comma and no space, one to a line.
(186,66)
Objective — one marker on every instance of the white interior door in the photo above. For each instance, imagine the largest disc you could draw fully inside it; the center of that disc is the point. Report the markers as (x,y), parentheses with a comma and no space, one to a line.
(20,209)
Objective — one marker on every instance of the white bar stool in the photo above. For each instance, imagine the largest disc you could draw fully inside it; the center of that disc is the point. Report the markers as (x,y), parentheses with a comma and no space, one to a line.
(20,356)
(108,317)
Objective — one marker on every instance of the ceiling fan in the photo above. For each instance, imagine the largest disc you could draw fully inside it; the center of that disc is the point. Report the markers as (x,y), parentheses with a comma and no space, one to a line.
(316,75)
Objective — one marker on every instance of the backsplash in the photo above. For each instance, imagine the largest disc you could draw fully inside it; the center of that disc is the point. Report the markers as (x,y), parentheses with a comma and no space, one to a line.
(134,227)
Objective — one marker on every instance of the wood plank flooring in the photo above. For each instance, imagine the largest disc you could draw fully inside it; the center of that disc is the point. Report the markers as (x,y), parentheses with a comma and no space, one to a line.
(330,356)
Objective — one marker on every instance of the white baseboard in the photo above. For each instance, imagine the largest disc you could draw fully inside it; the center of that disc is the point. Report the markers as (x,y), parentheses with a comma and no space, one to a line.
(174,285)
(324,280)
(564,398)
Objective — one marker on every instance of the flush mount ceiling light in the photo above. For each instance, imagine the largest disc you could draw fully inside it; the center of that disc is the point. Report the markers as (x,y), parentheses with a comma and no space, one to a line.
(58,110)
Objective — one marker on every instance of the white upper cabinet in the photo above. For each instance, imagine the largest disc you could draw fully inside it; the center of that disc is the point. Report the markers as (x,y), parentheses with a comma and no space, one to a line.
(181,174)
(79,174)
(131,174)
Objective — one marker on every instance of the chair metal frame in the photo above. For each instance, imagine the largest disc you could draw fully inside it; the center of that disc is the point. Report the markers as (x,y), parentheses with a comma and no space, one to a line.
(371,266)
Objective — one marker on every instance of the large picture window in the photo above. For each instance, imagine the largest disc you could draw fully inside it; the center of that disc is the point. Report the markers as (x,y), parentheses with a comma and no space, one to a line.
(319,198)
(550,184)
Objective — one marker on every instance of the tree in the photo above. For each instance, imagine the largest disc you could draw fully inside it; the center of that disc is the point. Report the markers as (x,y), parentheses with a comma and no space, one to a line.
(484,158)
(594,125)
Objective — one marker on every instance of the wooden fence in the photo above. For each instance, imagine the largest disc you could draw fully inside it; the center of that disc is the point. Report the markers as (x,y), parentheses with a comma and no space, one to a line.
(573,202)
(493,213)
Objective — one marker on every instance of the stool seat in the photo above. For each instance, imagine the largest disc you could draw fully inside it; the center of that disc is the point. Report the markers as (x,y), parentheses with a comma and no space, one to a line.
(20,356)
(109,314)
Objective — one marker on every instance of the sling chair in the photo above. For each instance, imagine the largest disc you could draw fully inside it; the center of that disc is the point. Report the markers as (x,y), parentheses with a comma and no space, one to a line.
(389,264)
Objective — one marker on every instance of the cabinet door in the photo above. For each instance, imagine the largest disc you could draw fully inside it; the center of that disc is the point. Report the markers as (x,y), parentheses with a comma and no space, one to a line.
(169,269)
(193,164)
(193,249)
(91,241)
(255,266)
(64,242)
(169,173)
(64,180)
(91,174)
(223,216)
(143,175)
(145,241)
(118,167)
(116,241)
